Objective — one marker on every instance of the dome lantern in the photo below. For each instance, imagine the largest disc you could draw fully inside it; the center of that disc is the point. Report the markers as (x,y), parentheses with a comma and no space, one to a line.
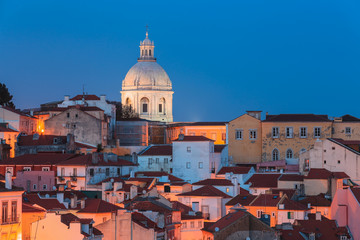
(147,49)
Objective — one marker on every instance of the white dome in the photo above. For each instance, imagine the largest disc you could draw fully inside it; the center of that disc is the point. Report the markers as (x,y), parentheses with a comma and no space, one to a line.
(146,75)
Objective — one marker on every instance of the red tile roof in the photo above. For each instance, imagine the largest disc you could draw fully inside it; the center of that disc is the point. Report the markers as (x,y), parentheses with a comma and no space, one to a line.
(83,145)
(266,200)
(293,205)
(42,140)
(26,208)
(49,204)
(226,221)
(98,206)
(289,192)
(322,173)
(86,160)
(158,174)
(206,191)
(157,150)
(145,222)
(297,118)
(86,97)
(349,118)
(242,199)
(38,159)
(194,139)
(214,182)
(181,207)
(219,147)
(291,177)
(70,218)
(4,129)
(234,170)
(318,201)
(81,108)
(154,206)
(264,180)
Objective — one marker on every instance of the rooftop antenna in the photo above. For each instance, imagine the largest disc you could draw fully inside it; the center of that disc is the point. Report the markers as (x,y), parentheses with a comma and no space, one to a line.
(83,90)
(147,30)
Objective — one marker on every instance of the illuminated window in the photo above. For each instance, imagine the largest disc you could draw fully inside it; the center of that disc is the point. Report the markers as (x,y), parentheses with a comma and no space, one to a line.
(227,189)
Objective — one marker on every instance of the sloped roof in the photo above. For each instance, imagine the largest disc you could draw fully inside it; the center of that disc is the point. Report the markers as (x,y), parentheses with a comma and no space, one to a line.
(46,203)
(86,97)
(234,170)
(291,177)
(293,205)
(42,140)
(181,207)
(266,200)
(86,160)
(219,147)
(349,118)
(214,182)
(157,150)
(98,206)
(145,222)
(84,145)
(149,205)
(206,191)
(318,200)
(242,199)
(4,129)
(356,192)
(264,180)
(194,139)
(159,174)
(322,173)
(38,159)
(289,192)
(297,118)
(13,188)
(26,208)
(226,221)
(69,218)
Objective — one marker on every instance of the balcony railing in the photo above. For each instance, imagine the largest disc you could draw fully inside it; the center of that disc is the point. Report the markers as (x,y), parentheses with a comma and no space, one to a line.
(10,220)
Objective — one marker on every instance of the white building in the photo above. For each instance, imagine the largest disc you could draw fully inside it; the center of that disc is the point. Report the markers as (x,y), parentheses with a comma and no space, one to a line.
(147,87)
(194,158)
(156,158)
(335,155)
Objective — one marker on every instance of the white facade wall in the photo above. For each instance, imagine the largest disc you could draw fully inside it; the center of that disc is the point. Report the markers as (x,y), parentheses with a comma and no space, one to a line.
(258,191)
(327,154)
(10,117)
(282,216)
(158,163)
(196,164)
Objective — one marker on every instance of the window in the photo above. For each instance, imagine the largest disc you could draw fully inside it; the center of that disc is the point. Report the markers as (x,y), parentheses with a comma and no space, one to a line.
(74,126)
(144,107)
(307,164)
(44,187)
(156,160)
(184,225)
(338,161)
(45,169)
(14,211)
(200,165)
(171,170)
(107,172)
(275,132)
(223,136)
(188,149)
(166,160)
(76,115)
(27,169)
(74,171)
(290,215)
(68,115)
(118,171)
(149,52)
(348,130)
(238,134)
(146,52)
(275,155)
(317,132)
(289,153)
(150,161)
(91,172)
(324,161)
(252,134)
(289,132)
(200,224)
(192,224)
(303,132)
(273,214)
(4,212)
(188,165)
(34,186)
(227,189)
(258,213)
(167,188)
(160,108)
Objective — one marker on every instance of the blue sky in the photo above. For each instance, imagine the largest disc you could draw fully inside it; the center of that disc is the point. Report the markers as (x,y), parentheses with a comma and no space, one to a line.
(223,57)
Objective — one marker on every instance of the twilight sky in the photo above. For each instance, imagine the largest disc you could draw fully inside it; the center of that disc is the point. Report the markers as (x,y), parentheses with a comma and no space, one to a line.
(223,57)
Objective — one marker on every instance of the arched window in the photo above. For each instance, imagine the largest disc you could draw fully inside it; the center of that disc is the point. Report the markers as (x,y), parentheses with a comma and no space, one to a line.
(162,106)
(144,105)
(142,52)
(275,155)
(150,52)
(145,52)
(289,153)
(128,102)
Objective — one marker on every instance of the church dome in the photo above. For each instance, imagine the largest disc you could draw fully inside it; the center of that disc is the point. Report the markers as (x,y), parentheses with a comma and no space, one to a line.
(146,75)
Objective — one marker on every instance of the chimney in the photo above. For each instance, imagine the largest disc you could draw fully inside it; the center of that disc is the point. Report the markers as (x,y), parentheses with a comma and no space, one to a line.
(132,174)
(94,158)
(103,98)
(73,203)
(281,194)
(117,143)
(309,205)
(68,185)
(82,203)
(236,186)
(118,185)
(66,98)
(31,112)
(318,216)
(133,191)
(8,180)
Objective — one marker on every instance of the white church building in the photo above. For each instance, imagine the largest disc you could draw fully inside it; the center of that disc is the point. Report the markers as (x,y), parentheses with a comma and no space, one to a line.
(147,87)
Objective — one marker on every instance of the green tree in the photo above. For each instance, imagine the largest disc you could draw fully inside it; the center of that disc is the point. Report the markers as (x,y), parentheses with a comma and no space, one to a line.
(5,96)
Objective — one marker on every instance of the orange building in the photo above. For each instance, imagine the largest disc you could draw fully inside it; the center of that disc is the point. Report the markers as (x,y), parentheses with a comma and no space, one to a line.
(213,130)
(30,214)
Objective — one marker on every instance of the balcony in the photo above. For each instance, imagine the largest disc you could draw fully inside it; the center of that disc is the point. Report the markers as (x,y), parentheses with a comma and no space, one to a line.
(9,220)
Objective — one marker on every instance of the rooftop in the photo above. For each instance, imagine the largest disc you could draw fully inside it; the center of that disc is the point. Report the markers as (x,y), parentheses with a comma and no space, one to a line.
(206,191)
(157,150)
(214,182)
(264,180)
(98,206)
(225,221)
(242,199)
(234,170)
(31,140)
(322,173)
(38,159)
(193,139)
(86,97)
(297,118)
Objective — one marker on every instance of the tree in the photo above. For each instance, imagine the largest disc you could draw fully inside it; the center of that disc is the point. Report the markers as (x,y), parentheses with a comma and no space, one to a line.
(128,112)
(5,96)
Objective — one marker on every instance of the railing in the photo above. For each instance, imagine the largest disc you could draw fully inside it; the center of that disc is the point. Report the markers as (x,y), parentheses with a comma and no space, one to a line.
(10,220)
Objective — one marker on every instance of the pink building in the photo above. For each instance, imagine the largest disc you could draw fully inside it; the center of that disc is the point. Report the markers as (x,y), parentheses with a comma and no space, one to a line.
(34,181)
(345,209)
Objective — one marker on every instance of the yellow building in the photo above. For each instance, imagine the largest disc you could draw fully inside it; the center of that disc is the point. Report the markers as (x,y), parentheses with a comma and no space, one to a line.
(244,138)
(284,136)
(213,130)
(346,127)
(30,214)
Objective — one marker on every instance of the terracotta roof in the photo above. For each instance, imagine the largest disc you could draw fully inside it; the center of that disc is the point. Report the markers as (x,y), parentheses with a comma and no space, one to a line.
(42,140)
(86,160)
(291,177)
(265,180)
(69,218)
(157,150)
(97,232)
(181,207)
(297,118)
(46,203)
(84,145)
(38,159)
(266,200)
(289,192)
(146,205)
(206,191)
(226,221)
(4,129)
(349,118)
(318,201)
(98,206)
(158,174)
(143,221)
(293,205)
(356,192)
(13,188)
(86,97)
(30,208)
(219,147)
(214,182)
(322,173)
(242,199)
(234,170)
(148,181)
(194,139)
(81,108)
